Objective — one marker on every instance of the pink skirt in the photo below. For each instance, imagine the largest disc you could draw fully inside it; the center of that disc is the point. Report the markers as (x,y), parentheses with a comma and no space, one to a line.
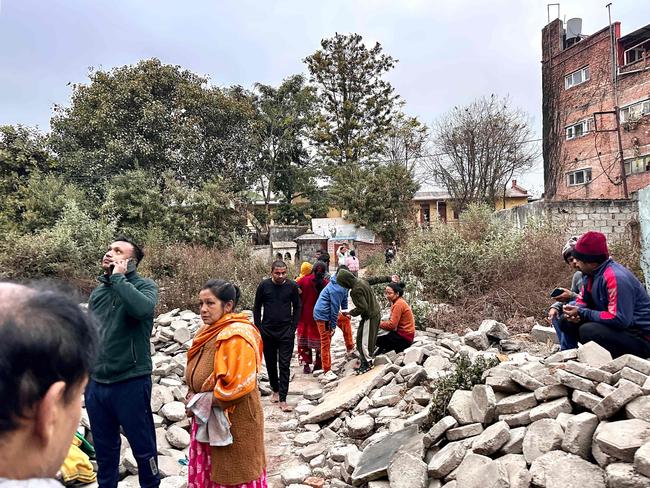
(199,467)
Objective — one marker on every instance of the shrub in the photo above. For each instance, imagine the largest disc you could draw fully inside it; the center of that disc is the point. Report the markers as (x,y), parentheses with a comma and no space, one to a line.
(466,374)
(182,269)
(484,267)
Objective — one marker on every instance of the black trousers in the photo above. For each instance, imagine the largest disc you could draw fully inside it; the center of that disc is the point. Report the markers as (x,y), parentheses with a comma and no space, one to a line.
(616,341)
(126,404)
(392,342)
(278,349)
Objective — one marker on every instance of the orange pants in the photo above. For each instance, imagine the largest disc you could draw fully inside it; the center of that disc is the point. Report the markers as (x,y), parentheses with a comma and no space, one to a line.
(326,339)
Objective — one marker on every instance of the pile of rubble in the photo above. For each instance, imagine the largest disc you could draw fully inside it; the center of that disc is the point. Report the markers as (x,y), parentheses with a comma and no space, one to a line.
(569,419)
(573,419)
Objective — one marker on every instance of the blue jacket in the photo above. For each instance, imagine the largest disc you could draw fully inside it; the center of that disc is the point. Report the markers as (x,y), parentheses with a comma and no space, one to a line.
(612,295)
(330,301)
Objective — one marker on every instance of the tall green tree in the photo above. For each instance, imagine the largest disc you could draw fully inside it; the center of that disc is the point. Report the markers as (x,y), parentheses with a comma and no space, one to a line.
(154,117)
(356,102)
(285,169)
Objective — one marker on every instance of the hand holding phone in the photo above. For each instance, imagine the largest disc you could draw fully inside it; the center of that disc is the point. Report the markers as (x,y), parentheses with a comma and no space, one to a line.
(557,292)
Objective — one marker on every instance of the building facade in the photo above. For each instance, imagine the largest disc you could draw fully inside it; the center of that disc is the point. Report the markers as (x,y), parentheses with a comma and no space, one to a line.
(586,80)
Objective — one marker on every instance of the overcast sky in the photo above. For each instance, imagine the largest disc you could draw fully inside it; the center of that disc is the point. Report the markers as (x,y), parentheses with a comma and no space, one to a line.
(449,52)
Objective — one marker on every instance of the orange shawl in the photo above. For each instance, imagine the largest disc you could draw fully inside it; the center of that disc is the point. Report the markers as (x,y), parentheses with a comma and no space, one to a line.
(237,358)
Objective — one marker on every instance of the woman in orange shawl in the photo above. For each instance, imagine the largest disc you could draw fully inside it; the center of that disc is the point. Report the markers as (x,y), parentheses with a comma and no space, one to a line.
(224,359)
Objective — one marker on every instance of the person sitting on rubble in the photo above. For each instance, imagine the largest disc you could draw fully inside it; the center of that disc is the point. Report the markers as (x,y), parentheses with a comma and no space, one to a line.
(613,308)
(400,327)
(567,295)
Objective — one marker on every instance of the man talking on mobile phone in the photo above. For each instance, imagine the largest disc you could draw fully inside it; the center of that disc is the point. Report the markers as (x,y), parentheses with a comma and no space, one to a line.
(119,391)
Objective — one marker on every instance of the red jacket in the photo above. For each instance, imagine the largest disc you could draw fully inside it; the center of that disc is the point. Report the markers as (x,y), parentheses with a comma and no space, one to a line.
(308,295)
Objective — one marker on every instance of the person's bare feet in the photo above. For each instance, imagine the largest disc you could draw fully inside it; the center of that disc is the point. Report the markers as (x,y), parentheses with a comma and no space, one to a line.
(285,407)
(275,398)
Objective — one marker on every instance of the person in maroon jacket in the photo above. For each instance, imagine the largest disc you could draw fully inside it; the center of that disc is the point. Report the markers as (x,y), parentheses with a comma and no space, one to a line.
(308,336)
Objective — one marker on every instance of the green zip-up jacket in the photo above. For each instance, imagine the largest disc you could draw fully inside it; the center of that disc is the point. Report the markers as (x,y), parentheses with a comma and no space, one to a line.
(124,306)
(365,302)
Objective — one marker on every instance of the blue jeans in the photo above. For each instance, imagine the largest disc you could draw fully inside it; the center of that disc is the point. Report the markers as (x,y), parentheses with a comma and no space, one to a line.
(567,333)
(126,404)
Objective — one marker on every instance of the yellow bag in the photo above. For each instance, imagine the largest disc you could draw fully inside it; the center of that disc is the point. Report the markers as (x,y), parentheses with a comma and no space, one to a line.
(77,466)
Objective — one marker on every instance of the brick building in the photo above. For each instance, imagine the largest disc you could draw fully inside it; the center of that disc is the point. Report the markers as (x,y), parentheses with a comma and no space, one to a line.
(581,88)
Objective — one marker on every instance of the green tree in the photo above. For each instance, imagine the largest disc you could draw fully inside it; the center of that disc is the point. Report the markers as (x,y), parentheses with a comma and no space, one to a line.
(356,103)
(23,152)
(285,170)
(378,198)
(154,117)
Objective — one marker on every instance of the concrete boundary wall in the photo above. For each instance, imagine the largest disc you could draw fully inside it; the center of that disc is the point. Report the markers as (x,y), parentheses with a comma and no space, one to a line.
(611,217)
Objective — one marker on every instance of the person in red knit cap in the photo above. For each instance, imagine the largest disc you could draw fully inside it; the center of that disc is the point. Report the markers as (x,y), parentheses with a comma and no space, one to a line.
(613,308)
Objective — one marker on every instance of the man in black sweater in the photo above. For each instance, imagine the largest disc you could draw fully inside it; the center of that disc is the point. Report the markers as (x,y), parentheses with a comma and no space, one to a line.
(280,299)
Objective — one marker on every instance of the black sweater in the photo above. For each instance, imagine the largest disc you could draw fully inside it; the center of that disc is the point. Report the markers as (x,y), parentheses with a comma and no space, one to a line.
(281,305)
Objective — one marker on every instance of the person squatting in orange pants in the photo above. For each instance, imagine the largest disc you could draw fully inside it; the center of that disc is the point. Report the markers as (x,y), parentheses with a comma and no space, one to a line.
(326,333)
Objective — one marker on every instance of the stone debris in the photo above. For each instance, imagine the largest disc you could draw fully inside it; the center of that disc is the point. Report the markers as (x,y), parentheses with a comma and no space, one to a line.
(573,418)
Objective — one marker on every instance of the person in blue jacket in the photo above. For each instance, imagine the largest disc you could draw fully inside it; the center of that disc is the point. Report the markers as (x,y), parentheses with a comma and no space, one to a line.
(613,308)
(331,301)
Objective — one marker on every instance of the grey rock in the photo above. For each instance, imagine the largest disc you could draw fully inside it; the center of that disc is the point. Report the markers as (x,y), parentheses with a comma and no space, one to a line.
(464,431)
(178,437)
(517,470)
(642,459)
(374,460)
(168,466)
(515,442)
(558,469)
(289,425)
(483,406)
(525,380)
(516,419)
(182,335)
(492,439)
(439,429)
(622,475)
(633,375)
(477,340)
(476,471)
(629,361)
(493,329)
(160,395)
(447,459)
(594,355)
(306,438)
(541,437)
(436,363)
(603,389)
(407,471)
(360,426)
(129,462)
(621,439)
(589,372)
(345,396)
(616,400)
(550,410)
(313,394)
(295,474)
(174,482)
(601,458)
(460,407)
(413,354)
(551,392)
(502,384)
(586,400)
(541,333)
(173,411)
(579,433)
(576,382)
(312,451)
(516,403)
(562,356)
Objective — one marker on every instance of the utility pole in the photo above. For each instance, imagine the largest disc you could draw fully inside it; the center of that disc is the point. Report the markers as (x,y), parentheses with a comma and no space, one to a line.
(617,112)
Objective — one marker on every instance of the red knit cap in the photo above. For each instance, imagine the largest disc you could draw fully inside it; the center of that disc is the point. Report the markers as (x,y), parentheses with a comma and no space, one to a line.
(592,247)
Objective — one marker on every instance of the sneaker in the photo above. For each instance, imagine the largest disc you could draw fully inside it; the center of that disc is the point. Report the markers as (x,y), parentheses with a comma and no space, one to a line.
(330,376)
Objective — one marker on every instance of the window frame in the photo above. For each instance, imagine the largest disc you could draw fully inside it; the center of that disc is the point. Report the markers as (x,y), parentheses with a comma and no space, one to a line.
(586,128)
(585,76)
(573,173)
(644,105)
(629,167)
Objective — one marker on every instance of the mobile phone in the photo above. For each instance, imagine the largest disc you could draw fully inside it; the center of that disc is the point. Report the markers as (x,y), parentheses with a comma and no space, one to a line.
(557,292)
(130,265)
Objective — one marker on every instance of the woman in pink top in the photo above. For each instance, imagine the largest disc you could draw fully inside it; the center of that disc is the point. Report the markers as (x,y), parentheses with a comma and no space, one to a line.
(352,262)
